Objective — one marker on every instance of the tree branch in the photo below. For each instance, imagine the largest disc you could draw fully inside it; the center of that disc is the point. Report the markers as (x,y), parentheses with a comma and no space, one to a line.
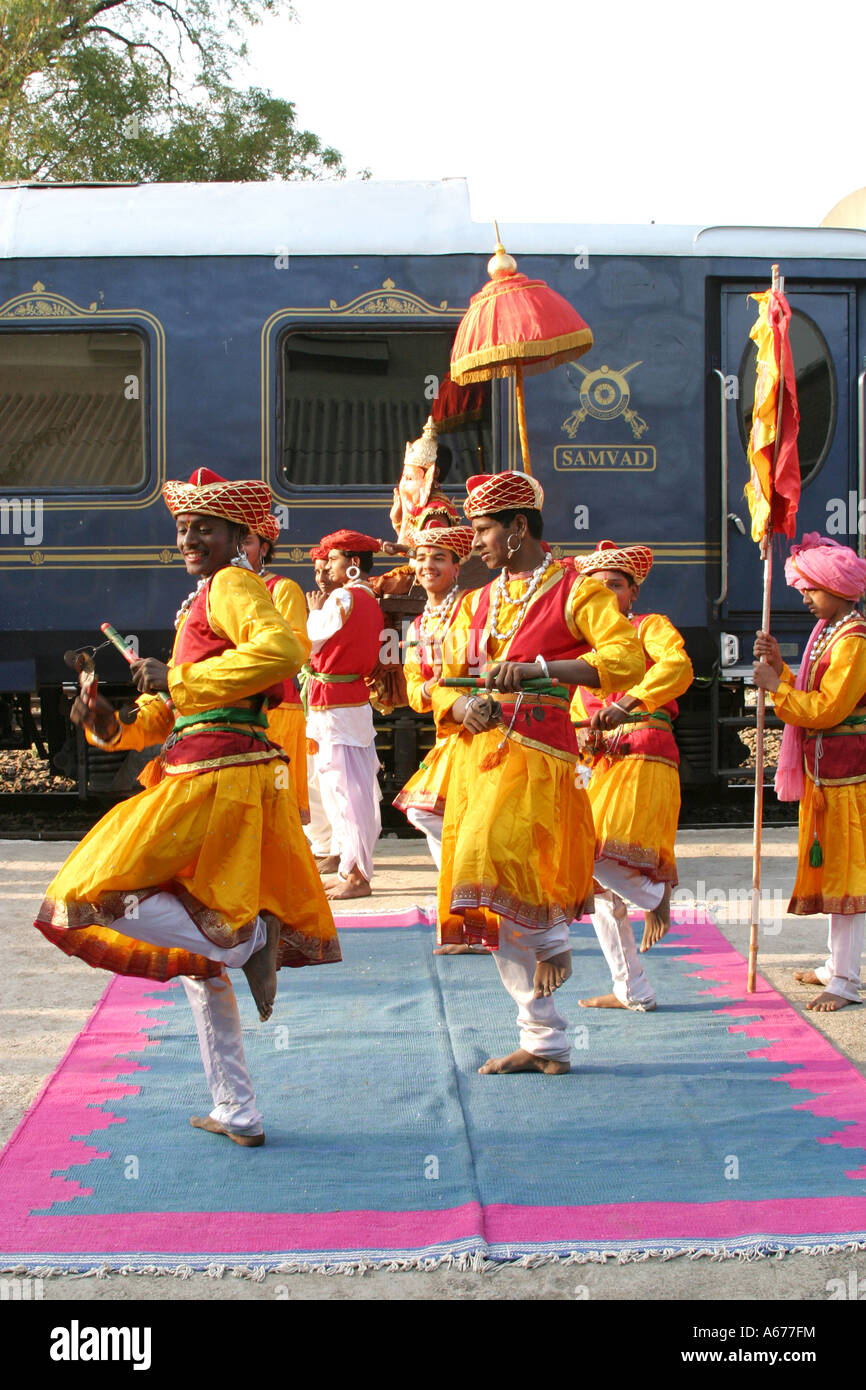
(132,44)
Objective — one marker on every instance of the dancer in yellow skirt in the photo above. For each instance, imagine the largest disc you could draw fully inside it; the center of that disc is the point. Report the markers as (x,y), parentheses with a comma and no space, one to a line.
(208,869)
(287,723)
(518,840)
(823,758)
(635,787)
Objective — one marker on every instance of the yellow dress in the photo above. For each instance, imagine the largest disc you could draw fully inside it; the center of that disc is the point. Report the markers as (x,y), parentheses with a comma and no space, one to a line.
(839,883)
(518,839)
(287,724)
(428,787)
(635,798)
(225,836)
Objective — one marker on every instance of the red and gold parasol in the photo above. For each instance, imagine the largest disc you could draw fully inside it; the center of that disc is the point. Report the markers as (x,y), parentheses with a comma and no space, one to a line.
(456,406)
(516,326)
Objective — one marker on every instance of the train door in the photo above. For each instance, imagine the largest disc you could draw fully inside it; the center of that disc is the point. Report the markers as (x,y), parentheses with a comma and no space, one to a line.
(822,336)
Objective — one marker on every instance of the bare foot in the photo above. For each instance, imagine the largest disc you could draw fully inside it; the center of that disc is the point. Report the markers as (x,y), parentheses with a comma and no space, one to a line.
(247,1141)
(354,885)
(464,949)
(656,923)
(828,1003)
(261,972)
(551,973)
(610,1001)
(523,1061)
(328,865)
(807,977)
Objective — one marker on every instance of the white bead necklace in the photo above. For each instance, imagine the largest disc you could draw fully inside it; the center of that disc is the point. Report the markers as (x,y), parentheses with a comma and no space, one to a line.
(435,616)
(190,600)
(499,594)
(823,641)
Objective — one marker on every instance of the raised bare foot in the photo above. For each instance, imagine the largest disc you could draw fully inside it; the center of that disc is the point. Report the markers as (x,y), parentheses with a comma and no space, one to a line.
(550,974)
(354,885)
(247,1141)
(656,923)
(261,971)
(807,977)
(828,1003)
(463,949)
(329,865)
(523,1061)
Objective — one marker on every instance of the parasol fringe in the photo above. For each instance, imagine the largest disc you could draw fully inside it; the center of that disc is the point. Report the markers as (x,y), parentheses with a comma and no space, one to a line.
(552,353)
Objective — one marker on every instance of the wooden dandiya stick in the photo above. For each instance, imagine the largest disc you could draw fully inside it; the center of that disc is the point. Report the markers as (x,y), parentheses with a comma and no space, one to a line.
(533,686)
(127,653)
(767,556)
(630,718)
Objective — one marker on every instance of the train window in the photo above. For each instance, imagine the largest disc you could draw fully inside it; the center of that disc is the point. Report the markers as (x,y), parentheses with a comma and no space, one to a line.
(816,393)
(72,410)
(350,401)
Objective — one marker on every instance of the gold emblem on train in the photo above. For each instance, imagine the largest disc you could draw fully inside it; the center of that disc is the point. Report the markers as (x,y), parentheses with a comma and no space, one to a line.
(604,394)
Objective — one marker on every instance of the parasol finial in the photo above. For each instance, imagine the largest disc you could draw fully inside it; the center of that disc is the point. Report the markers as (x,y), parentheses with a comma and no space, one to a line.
(500,263)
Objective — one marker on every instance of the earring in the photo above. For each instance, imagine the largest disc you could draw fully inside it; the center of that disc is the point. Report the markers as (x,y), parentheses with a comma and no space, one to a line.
(508,549)
(352,573)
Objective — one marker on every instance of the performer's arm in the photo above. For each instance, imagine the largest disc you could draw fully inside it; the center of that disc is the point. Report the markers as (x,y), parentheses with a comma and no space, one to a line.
(265,649)
(617,660)
(418,688)
(153,723)
(450,706)
(841,690)
(327,616)
(672,673)
(289,603)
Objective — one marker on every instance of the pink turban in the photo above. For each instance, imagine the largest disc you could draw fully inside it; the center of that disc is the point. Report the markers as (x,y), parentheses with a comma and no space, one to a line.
(821,563)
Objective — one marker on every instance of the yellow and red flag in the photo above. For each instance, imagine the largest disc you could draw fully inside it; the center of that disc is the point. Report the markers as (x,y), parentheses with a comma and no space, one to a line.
(773,489)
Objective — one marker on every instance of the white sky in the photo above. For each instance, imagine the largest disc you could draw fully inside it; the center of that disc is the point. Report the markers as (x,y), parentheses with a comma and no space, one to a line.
(557,110)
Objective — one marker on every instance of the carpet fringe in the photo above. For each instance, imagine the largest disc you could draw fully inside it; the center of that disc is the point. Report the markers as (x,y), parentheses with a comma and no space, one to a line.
(461,1262)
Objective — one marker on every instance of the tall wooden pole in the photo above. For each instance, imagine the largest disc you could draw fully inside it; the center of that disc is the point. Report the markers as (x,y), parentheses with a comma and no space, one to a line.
(767,556)
(521,420)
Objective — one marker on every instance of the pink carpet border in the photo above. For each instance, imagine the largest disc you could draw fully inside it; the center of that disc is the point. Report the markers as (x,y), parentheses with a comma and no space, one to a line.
(126,1012)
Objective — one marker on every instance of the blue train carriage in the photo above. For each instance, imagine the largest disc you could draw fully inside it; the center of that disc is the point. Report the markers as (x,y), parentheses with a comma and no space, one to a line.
(298,332)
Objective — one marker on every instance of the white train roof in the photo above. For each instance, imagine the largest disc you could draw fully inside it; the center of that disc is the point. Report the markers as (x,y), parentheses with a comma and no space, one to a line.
(346,217)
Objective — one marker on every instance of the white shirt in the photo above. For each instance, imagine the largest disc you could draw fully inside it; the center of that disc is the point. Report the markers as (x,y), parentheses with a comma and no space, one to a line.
(353,725)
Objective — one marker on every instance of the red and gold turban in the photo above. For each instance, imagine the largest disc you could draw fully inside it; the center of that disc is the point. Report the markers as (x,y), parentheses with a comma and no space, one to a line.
(352,542)
(269,529)
(318,552)
(246,503)
(456,538)
(634,560)
(499,492)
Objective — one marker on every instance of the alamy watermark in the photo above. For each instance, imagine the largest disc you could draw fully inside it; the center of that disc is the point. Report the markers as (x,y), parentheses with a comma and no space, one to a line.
(731,904)
(22,516)
(846,516)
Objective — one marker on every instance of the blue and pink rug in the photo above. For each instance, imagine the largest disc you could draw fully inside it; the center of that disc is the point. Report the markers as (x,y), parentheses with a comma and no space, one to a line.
(722,1124)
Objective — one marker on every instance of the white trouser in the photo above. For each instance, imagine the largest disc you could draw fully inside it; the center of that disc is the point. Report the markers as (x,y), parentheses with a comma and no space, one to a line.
(163,921)
(318,830)
(614,930)
(430,824)
(542,1027)
(350,794)
(841,970)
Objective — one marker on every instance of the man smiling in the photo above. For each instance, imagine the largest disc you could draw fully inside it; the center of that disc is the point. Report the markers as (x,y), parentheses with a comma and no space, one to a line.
(208,869)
